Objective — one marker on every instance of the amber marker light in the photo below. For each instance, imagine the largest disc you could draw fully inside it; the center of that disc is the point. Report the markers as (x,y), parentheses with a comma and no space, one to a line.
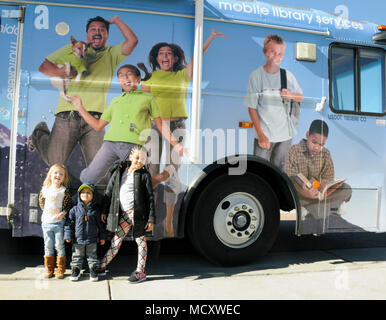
(243,124)
(382,27)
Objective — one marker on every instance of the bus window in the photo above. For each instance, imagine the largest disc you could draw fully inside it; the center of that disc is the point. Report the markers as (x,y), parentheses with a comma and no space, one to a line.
(357,79)
(372,81)
(343,93)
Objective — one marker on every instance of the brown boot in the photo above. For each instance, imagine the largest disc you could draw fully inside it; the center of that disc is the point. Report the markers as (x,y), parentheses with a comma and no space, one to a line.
(49,264)
(60,267)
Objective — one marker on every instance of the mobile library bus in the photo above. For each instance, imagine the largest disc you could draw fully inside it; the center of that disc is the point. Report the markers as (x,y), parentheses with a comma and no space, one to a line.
(225,197)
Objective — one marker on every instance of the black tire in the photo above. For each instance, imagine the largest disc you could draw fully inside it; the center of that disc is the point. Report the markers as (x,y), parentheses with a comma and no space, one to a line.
(247,189)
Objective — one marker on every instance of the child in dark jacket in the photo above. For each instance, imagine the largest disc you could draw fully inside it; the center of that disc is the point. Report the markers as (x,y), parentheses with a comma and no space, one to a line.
(129,203)
(84,227)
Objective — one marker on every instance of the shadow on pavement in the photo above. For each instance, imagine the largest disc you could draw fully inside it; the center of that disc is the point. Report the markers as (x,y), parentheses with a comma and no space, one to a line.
(178,259)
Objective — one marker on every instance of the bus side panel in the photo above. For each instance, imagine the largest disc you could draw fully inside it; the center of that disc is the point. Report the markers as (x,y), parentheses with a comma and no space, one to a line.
(48,28)
(353,141)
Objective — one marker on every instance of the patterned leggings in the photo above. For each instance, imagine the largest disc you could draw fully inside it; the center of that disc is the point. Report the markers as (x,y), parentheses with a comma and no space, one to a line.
(125,223)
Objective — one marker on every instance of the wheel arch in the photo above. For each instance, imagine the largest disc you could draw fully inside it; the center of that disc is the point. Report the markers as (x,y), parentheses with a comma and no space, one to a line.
(278,180)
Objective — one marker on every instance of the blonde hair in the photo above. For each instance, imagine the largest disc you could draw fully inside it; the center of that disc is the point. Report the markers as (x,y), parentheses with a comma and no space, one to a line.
(47,181)
(139,149)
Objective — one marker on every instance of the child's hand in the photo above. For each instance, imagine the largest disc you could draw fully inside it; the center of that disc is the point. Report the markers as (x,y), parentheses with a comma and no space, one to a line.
(77,102)
(149,226)
(311,193)
(68,240)
(61,215)
(145,88)
(286,94)
(102,242)
(181,150)
(103,217)
(264,142)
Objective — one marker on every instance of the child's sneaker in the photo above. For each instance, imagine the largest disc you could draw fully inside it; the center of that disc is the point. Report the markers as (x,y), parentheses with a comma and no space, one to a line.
(94,274)
(102,272)
(75,274)
(137,276)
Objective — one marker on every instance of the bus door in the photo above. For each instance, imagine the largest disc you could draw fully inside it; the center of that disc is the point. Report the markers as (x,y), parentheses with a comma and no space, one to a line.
(11,18)
(354,117)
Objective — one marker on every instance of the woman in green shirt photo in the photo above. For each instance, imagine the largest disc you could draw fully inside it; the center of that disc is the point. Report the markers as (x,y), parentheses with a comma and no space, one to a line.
(169,83)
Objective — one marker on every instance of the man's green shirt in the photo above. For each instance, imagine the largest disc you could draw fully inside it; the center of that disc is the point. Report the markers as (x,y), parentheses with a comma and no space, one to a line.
(95,81)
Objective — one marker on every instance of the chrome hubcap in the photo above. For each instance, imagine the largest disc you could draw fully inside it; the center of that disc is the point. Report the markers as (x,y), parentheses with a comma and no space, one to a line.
(238,220)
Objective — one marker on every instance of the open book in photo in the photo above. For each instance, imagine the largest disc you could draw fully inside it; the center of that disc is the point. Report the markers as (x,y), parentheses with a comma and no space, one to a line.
(328,188)
(302,180)
(331,187)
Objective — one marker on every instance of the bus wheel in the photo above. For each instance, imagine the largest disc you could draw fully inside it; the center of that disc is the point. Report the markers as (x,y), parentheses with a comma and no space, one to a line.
(235,220)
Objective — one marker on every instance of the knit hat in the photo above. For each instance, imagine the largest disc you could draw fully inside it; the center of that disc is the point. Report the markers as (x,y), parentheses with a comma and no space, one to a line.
(86,185)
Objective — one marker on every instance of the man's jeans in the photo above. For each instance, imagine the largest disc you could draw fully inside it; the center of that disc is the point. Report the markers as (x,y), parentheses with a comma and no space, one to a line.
(68,130)
(53,238)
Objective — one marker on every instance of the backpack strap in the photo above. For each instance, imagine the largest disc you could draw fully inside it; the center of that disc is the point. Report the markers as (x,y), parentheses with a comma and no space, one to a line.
(283,81)
(283,78)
